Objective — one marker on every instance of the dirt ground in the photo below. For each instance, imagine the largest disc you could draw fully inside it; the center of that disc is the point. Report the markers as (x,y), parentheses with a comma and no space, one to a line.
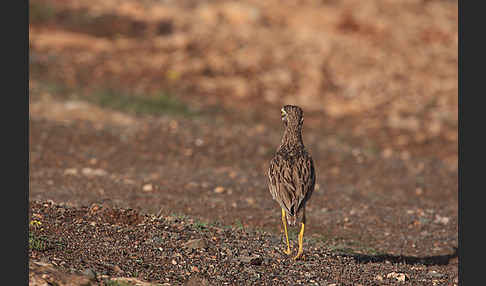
(152,123)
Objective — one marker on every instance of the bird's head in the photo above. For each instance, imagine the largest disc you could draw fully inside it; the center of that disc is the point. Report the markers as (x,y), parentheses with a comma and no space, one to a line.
(292,115)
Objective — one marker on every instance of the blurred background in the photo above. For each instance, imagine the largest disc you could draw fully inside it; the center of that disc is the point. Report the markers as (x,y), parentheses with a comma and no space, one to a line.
(173,107)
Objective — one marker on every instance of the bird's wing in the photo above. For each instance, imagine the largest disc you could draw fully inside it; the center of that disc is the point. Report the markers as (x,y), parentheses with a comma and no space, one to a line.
(304,177)
(292,181)
(281,183)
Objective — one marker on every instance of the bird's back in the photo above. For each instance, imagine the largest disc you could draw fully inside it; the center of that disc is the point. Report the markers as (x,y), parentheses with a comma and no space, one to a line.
(292,179)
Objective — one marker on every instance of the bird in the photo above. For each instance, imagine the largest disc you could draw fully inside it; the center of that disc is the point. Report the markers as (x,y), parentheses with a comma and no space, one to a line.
(291,174)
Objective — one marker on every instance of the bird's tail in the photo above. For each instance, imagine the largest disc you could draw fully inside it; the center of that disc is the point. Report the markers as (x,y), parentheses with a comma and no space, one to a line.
(291,219)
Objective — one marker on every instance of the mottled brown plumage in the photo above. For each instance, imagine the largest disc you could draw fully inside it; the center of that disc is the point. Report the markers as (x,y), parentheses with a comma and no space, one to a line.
(291,173)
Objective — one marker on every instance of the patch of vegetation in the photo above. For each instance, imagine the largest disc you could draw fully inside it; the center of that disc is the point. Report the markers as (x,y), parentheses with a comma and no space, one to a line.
(227,227)
(370,251)
(38,243)
(43,243)
(179,216)
(81,20)
(260,230)
(239,224)
(41,12)
(48,88)
(157,104)
(200,226)
(216,223)
(353,248)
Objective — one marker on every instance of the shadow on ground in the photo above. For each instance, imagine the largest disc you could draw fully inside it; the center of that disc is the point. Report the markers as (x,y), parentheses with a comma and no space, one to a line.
(409,260)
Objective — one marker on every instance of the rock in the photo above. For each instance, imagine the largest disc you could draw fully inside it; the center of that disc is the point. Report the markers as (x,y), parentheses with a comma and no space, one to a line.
(435,274)
(147,188)
(219,190)
(244,252)
(197,280)
(41,263)
(41,273)
(441,219)
(196,244)
(93,172)
(387,153)
(256,261)
(253,260)
(229,252)
(419,191)
(117,269)
(400,277)
(130,281)
(240,13)
(199,142)
(93,209)
(158,239)
(244,259)
(90,274)
(71,172)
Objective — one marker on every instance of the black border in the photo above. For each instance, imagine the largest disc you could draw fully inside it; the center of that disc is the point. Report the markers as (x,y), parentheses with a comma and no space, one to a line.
(23,162)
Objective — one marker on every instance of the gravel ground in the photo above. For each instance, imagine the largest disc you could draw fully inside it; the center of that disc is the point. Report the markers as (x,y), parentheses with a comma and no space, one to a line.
(102,243)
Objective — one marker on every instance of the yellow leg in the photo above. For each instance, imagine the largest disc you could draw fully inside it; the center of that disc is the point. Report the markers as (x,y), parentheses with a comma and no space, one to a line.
(301,240)
(284,221)
(301,236)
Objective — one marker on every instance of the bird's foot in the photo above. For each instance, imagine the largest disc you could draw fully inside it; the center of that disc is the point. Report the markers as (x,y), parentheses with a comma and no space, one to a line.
(299,255)
(288,251)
